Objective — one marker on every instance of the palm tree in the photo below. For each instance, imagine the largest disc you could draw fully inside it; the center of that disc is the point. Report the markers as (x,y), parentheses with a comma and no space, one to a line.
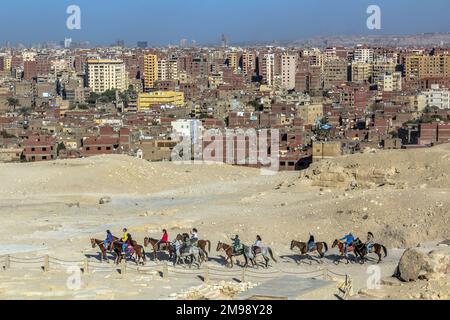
(13,102)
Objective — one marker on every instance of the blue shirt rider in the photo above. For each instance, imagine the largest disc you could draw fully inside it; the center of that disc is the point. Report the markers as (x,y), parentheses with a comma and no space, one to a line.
(109,239)
(348,241)
(311,243)
(370,241)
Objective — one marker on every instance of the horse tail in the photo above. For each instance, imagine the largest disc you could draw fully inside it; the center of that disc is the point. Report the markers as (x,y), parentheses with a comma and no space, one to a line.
(209,246)
(326,246)
(271,255)
(385,250)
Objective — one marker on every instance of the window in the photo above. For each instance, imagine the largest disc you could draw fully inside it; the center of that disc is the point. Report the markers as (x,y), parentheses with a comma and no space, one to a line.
(44,157)
(88,148)
(108,148)
(99,148)
(44,149)
(33,149)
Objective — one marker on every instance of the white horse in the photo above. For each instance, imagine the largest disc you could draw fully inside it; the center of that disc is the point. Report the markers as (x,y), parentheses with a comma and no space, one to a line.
(194,253)
(265,252)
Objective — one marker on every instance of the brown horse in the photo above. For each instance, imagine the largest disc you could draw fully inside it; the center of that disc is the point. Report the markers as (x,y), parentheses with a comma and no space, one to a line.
(101,245)
(158,246)
(137,250)
(202,245)
(341,247)
(362,250)
(320,247)
(230,254)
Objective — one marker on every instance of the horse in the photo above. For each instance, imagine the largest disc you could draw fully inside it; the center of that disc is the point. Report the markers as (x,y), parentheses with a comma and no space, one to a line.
(101,245)
(230,254)
(137,250)
(195,253)
(341,247)
(202,245)
(362,251)
(158,246)
(320,247)
(265,252)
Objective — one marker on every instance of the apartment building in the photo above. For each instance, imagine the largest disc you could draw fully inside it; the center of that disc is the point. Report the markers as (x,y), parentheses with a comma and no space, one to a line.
(104,74)
(288,70)
(159,98)
(150,70)
(417,67)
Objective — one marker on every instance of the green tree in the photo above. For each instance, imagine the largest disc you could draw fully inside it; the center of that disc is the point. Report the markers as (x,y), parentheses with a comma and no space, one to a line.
(13,103)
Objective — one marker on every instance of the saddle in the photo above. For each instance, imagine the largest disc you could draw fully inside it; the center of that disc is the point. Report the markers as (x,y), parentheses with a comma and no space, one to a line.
(256,250)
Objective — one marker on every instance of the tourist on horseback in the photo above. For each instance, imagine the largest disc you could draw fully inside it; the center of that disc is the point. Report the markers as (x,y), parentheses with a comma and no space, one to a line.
(311,243)
(370,241)
(109,239)
(124,241)
(348,241)
(177,244)
(164,239)
(236,244)
(257,245)
(194,237)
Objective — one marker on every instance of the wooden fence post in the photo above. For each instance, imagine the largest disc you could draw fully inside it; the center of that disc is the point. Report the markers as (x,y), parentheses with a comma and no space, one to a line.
(8,262)
(46,263)
(243,275)
(165,271)
(325,274)
(123,267)
(206,276)
(86,265)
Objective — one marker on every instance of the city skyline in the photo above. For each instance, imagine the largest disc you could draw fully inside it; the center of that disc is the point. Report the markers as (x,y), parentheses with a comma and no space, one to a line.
(163,24)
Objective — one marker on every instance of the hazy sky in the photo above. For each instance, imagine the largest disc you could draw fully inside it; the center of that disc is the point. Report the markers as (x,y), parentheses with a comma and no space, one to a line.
(168,21)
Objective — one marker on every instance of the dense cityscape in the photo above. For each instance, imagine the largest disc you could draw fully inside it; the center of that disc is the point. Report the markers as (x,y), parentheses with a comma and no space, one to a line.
(69,102)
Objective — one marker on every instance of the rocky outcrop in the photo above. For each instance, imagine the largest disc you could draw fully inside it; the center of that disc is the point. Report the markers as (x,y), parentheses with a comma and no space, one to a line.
(415,264)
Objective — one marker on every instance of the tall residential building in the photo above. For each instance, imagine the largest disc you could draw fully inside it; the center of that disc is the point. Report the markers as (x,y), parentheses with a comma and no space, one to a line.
(163,73)
(172,69)
(288,69)
(248,64)
(103,74)
(364,55)
(335,72)
(150,70)
(381,67)
(232,60)
(417,66)
(361,71)
(266,69)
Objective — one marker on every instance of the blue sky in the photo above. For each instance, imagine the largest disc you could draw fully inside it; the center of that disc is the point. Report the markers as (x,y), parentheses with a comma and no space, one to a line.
(167,21)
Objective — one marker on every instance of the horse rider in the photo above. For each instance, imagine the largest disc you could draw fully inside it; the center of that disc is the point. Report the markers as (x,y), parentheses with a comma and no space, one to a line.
(109,239)
(124,240)
(194,237)
(370,241)
(177,244)
(257,245)
(348,241)
(236,244)
(164,239)
(311,242)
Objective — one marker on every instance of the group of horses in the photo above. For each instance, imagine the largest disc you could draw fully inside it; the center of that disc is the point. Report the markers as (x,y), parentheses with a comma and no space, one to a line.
(359,249)
(199,253)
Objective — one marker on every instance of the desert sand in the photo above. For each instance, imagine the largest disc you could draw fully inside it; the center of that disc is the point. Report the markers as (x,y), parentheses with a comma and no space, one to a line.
(52,208)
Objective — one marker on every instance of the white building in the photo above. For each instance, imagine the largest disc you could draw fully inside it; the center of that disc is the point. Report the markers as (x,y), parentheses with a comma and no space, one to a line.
(105,75)
(437,97)
(288,69)
(391,82)
(363,55)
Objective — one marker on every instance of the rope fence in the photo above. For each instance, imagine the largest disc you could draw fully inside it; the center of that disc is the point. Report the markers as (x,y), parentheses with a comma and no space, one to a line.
(207,272)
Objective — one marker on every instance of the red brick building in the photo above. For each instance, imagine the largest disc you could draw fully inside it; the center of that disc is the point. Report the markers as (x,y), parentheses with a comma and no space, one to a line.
(39,148)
